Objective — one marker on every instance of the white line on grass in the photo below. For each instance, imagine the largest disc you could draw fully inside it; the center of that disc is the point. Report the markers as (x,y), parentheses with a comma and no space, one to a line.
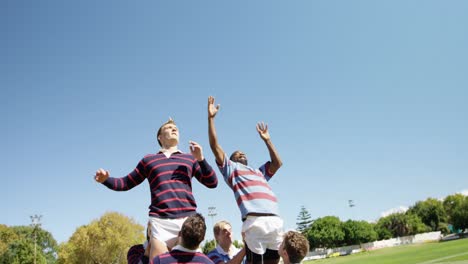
(434,261)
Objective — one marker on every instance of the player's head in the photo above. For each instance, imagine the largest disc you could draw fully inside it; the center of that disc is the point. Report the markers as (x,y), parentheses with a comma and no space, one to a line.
(239,156)
(222,231)
(168,134)
(193,231)
(294,248)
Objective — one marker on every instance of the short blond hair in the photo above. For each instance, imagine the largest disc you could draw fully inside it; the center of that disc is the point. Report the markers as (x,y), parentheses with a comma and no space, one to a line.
(170,121)
(219,226)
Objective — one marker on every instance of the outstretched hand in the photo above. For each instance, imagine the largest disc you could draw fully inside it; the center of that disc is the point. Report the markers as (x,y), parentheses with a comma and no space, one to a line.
(196,150)
(212,109)
(101,175)
(262,130)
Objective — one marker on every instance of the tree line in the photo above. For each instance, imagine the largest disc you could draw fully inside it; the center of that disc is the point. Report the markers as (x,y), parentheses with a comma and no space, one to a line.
(25,244)
(103,241)
(107,239)
(448,216)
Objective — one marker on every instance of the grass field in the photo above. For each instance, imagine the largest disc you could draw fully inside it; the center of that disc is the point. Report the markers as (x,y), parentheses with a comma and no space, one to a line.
(429,253)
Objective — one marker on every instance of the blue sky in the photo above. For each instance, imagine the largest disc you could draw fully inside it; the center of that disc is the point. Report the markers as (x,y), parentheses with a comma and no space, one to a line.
(365,100)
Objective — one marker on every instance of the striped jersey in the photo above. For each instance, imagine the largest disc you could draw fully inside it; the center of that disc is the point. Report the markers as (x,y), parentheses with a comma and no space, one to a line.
(219,256)
(251,190)
(170,182)
(179,256)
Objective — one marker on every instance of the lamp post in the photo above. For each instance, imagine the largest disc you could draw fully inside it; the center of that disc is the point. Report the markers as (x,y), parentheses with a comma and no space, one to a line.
(36,222)
(212,214)
(351,205)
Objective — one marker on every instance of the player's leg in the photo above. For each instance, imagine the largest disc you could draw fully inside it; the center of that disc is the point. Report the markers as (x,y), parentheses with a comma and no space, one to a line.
(157,248)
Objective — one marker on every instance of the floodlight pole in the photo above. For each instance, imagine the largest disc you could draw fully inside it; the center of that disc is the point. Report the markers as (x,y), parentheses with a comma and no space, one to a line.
(36,222)
(212,214)
(351,204)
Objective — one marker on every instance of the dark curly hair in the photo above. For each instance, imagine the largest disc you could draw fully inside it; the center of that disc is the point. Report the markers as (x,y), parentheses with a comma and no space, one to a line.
(296,245)
(193,231)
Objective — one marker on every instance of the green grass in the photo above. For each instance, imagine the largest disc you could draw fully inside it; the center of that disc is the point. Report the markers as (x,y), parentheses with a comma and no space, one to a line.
(443,252)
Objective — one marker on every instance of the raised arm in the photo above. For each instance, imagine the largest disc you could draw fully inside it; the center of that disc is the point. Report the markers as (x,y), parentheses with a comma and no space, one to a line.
(218,152)
(276,162)
(238,258)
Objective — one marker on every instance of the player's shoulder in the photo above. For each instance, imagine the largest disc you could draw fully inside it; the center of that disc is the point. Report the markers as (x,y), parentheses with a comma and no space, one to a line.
(212,252)
(205,257)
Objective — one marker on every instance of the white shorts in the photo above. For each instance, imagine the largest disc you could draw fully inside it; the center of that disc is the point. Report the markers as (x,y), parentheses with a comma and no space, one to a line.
(262,232)
(165,229)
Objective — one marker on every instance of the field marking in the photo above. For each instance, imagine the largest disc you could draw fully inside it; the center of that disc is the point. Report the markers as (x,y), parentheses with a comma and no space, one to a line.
(447,257)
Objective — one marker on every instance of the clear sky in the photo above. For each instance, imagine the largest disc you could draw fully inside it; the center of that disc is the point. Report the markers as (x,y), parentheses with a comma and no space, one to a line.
(365,100)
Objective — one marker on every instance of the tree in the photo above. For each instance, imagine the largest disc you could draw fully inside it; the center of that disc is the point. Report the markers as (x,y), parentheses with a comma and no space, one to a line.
(7,236)
(460,215)
(326,232)
(393,225)
(444,228)
(21,252)
(238,244)
(431,212)
(304,219)
(398,225)
(208,246)
(17,245)
(450,203)
(416,226)
(358,232)
(382,230)
(105,240)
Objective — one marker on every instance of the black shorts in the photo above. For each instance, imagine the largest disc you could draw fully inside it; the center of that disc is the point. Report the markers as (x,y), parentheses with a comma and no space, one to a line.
(269,256)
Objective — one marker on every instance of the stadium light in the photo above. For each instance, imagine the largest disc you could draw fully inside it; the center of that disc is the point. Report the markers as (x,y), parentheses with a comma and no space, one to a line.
(36,223)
